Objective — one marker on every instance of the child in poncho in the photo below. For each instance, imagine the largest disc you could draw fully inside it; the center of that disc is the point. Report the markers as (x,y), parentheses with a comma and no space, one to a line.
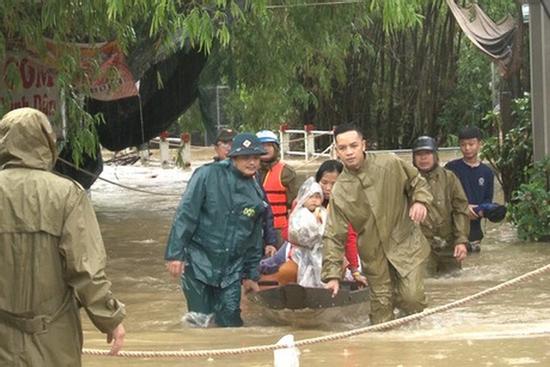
(306,227)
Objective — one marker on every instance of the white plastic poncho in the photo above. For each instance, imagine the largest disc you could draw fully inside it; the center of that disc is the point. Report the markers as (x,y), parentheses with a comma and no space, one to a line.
(305,233)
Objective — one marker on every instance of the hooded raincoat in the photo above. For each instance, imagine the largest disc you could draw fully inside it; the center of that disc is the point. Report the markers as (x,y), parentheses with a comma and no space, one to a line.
(52,258)
(305,233)
(376,199)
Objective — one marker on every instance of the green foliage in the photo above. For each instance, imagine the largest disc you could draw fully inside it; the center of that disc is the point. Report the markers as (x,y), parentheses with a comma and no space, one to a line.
(471,98)
(397,14)
(511,154)
(25,25)
(189,121)
(530,206)
(395,67)
(286,61)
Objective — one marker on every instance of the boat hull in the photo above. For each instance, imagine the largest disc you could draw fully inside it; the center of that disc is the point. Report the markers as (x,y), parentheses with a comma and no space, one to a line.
(300,306)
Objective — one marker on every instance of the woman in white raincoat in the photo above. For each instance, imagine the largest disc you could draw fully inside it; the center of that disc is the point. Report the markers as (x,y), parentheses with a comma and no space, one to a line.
(306,227)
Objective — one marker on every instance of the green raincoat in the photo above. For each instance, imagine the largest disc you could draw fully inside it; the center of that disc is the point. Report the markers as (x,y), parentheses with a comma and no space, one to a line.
(217,231)
(448,223)
(52,257)
(376,201)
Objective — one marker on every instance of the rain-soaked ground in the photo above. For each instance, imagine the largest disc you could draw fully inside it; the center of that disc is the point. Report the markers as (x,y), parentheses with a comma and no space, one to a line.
(511,328)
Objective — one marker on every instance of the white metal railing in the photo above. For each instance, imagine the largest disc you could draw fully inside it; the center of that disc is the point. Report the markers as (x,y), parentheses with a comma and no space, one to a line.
(307,136)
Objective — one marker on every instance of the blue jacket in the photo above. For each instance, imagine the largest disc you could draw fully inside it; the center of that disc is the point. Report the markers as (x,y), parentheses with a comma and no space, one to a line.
(217,228)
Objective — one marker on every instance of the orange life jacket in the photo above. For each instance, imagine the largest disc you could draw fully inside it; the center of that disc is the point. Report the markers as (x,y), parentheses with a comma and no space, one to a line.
(276,195)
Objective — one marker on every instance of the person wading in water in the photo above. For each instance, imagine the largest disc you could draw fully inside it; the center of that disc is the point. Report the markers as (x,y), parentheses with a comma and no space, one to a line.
(384,199)
(215,243)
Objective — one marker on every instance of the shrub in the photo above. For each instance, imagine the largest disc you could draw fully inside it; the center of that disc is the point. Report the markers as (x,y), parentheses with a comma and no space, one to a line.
(510,153)
(530,206)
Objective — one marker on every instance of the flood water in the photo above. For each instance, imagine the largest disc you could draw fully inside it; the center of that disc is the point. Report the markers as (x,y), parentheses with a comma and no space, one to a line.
(511,328)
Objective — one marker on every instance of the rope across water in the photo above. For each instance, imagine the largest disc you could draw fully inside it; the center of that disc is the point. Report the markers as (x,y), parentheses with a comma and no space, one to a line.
(326,338)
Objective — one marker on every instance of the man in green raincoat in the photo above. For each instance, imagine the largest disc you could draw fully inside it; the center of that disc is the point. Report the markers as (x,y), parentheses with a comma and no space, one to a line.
(215,243)
(384,198)
(52,258)
(447,225)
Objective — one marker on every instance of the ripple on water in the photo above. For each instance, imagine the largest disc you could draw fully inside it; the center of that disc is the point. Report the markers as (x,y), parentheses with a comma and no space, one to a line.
(136,225)
(520,361)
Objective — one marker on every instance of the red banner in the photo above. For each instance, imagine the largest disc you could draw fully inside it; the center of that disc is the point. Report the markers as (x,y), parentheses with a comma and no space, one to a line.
(110,57)
(38,89)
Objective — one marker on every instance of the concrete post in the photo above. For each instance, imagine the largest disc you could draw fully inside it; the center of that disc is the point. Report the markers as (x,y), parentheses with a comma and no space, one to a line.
(310,144)
(144,153)
(539,35)
(164,147)
(184,159)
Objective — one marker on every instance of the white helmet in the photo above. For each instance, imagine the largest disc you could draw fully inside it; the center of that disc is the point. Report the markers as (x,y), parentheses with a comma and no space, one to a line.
(267,136)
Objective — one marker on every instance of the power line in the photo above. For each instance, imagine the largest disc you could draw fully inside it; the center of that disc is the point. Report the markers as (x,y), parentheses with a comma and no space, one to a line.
(304,5)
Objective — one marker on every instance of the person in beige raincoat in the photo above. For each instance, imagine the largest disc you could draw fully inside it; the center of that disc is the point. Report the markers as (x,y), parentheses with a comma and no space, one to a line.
(447,225)
(384,198)
(52,257)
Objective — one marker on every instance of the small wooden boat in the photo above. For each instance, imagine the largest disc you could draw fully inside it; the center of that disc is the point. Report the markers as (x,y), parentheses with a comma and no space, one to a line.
(293,304)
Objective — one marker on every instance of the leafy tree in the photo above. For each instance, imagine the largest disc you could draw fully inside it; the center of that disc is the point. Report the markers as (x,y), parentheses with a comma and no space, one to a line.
(398,68)
(161,26)
(282,62)
(510,153)
(530,206)
(332,64)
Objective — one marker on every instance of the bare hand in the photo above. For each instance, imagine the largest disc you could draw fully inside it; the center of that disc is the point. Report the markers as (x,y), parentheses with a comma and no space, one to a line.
(334,285)
(176,268)
(117,337)
(361,279)
(418,212)
(250,285)
(270,250)
(471,213)
(460,252)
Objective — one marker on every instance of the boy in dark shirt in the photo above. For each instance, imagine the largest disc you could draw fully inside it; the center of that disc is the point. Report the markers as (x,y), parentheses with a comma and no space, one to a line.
(476,178)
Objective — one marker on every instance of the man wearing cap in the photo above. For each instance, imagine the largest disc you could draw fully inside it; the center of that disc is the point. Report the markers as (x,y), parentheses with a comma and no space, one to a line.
(279,181)
(447,225)
(476,178)
(222,144)
(215,243)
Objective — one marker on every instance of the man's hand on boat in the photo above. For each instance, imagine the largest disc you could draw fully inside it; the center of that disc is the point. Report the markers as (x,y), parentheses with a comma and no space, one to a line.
(176,268)
(250,285)
(334,286)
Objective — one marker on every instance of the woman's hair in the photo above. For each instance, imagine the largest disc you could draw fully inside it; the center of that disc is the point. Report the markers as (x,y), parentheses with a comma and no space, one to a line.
(332,165)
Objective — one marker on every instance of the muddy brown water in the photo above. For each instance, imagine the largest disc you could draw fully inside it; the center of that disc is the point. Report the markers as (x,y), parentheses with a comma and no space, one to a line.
(511,328)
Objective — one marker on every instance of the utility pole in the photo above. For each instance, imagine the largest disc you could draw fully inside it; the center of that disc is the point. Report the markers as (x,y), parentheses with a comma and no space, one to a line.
(539,35)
